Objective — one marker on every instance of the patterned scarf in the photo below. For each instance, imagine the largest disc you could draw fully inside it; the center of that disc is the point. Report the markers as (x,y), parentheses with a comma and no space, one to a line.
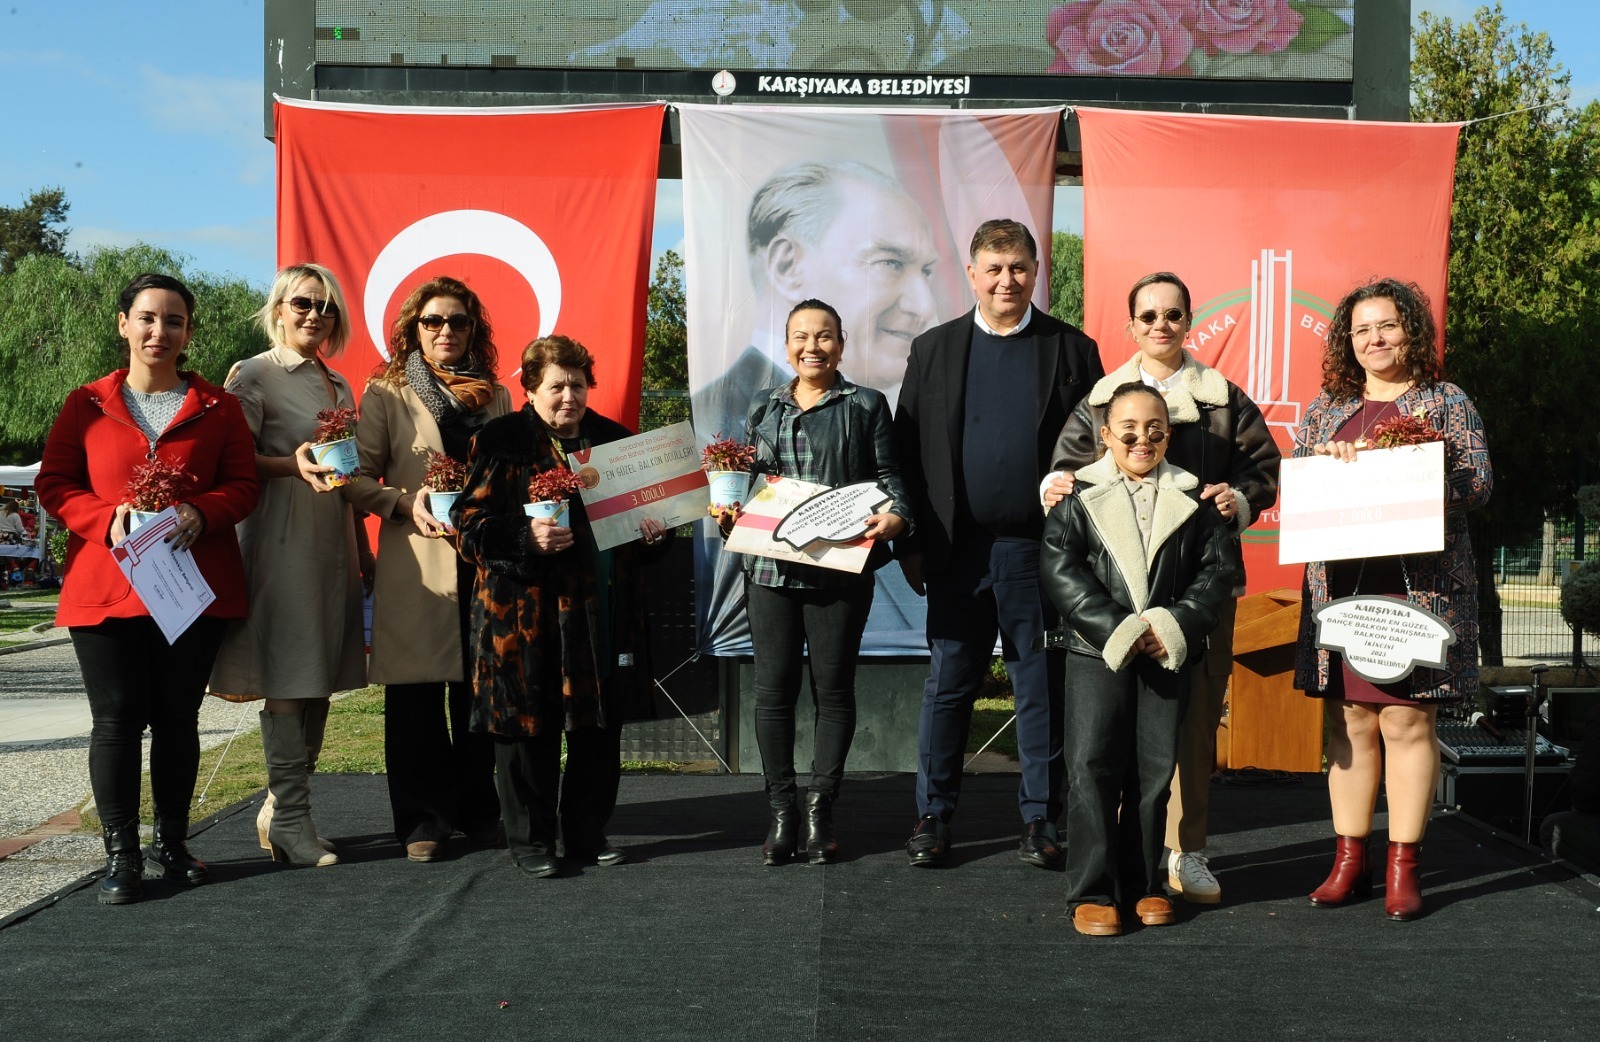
(447,393)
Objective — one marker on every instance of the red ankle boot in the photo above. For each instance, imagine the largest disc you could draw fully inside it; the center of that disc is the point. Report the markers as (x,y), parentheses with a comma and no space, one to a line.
(1349,877)
(1402,899)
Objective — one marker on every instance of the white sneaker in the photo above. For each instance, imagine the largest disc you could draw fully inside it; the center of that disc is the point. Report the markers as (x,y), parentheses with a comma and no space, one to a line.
(1188,874)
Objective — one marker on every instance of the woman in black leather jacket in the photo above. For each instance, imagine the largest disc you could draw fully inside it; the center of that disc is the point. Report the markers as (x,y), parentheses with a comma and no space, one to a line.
(821,428)
(1139,570)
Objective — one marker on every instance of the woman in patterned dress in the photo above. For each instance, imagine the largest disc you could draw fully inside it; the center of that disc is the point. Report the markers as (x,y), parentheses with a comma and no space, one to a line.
(1382,363)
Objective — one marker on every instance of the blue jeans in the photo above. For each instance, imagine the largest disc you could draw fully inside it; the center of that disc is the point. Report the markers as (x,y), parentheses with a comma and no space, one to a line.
(990,588)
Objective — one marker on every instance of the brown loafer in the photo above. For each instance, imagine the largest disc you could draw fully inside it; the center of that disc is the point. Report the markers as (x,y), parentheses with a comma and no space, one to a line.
(1155,911)
(423,850)
(1097,920)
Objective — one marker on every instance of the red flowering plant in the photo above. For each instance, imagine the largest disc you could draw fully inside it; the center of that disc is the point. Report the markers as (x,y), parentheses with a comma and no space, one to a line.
(1404,430)
(553,485)
(157,485)
(334,425)
(444,473)
(727,454)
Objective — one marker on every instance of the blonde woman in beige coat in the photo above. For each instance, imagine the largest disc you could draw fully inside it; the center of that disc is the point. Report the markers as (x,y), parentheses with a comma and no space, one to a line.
(437,389)
(305,557)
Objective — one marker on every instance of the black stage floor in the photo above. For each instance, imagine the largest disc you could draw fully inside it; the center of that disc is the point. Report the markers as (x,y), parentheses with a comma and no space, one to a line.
(693,939)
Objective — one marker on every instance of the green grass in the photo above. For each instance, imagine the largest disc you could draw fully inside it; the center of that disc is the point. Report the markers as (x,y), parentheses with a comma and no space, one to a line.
(16,620)
(25,609)
(988,715)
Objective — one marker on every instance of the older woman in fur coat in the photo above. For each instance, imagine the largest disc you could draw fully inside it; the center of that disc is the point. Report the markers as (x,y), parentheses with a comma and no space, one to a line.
(559,628)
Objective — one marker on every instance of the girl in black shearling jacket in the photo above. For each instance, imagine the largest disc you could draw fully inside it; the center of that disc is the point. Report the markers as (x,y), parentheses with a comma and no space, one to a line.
(1139,572)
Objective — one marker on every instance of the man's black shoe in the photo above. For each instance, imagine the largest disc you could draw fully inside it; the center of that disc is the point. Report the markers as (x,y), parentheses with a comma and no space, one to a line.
(1041,844)
(930,842)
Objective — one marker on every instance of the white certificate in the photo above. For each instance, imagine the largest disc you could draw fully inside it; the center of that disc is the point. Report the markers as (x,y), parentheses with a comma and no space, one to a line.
(167,580)
(655,474)
(762,530)
(1389,501)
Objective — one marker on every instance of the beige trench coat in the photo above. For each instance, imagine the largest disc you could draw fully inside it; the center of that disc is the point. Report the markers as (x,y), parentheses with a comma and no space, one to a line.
(416,628)
(303,638)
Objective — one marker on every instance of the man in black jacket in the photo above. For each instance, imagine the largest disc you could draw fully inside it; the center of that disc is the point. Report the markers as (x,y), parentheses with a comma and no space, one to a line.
(983,399)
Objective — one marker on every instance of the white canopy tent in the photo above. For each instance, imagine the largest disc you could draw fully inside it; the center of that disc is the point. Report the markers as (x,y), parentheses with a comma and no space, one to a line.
(14,478)
(19,476)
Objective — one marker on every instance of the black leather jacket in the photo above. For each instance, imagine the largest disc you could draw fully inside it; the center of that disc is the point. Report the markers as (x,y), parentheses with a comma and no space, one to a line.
(1093,566)
(1218,434)
(851,440)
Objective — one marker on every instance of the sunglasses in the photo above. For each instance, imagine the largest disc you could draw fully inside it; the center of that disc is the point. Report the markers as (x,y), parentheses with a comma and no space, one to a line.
(305,305)
(1154,437)
(1172,315)
(434,323)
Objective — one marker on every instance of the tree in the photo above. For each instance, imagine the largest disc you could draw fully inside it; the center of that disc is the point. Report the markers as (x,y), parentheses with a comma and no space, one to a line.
(58,330)
(1524,277)
(1066,277)
(38,226)
(666,328)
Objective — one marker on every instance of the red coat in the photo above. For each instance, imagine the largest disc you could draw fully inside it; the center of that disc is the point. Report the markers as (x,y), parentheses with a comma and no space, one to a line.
(88,459)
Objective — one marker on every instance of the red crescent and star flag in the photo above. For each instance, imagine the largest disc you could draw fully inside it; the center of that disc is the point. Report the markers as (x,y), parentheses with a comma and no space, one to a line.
(546,213)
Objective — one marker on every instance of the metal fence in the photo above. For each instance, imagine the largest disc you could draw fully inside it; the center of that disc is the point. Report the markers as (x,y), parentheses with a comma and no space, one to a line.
(1528,578)
(662,409)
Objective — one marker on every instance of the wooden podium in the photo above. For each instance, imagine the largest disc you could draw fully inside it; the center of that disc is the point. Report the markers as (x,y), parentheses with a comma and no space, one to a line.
(1269,725)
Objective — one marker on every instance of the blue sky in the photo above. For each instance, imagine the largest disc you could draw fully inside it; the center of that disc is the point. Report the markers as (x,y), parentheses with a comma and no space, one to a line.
(149,116)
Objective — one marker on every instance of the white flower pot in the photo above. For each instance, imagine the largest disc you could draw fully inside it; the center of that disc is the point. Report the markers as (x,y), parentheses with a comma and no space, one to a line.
(439,504)
(341,455)
(729,488)
(556,511)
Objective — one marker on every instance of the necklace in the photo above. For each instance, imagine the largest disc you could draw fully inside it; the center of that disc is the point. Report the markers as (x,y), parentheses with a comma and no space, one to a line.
(1372,413)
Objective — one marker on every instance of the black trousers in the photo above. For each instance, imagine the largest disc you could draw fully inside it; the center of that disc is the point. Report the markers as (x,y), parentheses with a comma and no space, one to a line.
(1121,749)
(537,803)
(135,679)
(784,622)
(441,775)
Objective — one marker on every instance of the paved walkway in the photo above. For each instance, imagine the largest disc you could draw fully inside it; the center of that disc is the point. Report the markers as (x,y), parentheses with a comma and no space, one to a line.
(44,768)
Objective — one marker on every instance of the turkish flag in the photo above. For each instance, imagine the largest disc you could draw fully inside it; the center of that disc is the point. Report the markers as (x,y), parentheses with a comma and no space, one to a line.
(545,213)
(1270,222)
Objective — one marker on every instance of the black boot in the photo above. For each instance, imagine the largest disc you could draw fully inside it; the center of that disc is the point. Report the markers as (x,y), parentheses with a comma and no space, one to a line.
(783,838)
(123,883)
(169,856)
(821,844)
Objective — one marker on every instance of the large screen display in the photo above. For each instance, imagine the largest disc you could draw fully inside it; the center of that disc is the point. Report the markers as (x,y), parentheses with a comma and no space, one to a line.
(1219,39)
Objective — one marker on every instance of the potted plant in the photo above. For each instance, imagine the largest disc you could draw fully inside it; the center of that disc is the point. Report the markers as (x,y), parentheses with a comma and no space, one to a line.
(548,491)
(154,486)
(1403,430)
(727,465)
(444,476)
(333,444)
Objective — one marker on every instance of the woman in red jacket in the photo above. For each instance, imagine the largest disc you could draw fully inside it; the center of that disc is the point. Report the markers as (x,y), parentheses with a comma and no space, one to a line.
(152,411)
